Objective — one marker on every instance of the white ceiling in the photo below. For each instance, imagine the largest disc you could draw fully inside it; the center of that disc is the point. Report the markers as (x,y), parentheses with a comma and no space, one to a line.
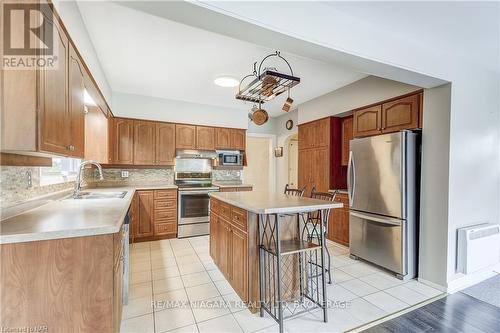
(152,56)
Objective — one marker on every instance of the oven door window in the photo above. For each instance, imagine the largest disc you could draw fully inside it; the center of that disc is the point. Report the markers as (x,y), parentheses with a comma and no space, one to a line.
(230,159)
(194,205)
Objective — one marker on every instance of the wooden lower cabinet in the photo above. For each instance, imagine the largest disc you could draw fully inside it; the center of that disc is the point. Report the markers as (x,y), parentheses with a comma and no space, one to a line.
(338,225)
(153,215)
(65,285)
(232,243)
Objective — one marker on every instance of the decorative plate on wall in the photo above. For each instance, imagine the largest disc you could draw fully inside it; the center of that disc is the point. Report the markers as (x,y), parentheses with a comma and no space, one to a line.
(289,124)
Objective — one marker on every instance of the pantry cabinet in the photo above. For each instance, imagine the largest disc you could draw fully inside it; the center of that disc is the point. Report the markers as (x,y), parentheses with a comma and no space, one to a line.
(319,158)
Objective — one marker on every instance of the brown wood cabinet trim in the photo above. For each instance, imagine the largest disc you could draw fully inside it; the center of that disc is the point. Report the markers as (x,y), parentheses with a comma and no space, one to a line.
(9,159)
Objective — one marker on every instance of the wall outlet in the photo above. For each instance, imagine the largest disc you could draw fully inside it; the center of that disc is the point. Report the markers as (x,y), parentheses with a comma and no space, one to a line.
(124,174)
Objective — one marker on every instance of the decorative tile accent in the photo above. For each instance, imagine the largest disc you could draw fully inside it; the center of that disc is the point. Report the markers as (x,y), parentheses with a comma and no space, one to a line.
(113,177)
(227,175)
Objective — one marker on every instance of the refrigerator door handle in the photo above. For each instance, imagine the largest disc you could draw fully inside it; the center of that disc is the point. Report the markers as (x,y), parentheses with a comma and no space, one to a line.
(377,218)
(351,178)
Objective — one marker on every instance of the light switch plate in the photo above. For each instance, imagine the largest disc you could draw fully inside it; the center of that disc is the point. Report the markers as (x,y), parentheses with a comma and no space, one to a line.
(124,174)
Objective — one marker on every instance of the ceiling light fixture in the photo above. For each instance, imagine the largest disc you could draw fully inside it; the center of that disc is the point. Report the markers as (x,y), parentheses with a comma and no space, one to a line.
(226,81)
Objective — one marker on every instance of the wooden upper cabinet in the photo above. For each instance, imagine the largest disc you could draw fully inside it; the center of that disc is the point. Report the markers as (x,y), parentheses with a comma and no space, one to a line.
(96,135)
(121,141)
(54,118)
(347,135)
(305,136)
(222,138)
(205,138)
(185,136)
(238,139)
(144,142)
(400,114)
(367,121)
(76,81)
(165,144)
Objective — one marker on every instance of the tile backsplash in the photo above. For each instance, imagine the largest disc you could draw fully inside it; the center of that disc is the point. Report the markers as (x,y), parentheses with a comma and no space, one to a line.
(15,189)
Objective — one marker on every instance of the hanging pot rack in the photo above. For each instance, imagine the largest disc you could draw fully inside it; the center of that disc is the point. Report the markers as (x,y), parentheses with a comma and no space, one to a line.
(267,83)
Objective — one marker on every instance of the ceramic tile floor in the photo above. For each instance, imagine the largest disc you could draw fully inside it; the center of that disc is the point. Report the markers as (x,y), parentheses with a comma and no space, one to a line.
(175,287)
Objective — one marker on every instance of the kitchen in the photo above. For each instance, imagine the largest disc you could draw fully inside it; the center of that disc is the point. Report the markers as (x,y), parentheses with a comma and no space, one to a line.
(168,214)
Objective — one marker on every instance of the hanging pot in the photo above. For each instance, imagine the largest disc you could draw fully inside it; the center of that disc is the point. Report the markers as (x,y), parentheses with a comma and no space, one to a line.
(260,117)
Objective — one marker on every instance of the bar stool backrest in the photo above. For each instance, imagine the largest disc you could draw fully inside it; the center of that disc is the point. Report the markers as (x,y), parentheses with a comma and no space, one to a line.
(323,196)
(294,191)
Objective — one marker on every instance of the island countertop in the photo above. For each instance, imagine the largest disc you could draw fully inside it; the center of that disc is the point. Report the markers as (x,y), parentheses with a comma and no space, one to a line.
(264,202)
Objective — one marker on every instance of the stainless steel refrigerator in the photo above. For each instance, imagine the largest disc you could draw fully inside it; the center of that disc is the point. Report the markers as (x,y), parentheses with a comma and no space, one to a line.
(383,176)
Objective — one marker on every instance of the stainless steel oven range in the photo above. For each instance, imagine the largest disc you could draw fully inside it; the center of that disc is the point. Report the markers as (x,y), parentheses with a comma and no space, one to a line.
(194,203)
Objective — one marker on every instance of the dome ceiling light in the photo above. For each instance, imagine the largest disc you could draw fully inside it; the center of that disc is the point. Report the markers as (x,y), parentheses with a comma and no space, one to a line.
(226,81)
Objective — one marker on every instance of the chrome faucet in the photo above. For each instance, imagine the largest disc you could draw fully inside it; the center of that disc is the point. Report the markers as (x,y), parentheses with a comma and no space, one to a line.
(78,185)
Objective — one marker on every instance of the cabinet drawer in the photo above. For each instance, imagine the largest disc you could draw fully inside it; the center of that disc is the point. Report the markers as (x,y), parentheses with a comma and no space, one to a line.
(225,211)
(239,218)
(214,206)
(168,214)
(165,204)
(165,194)
(165,228)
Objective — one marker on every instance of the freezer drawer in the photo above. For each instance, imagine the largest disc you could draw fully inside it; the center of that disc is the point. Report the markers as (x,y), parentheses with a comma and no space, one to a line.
(379,239)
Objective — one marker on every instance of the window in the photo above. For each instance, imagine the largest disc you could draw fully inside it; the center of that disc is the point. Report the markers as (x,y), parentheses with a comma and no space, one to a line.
(63,170)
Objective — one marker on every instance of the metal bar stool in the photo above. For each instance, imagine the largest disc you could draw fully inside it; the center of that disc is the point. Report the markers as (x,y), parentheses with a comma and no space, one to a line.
(313,217)
(295,191)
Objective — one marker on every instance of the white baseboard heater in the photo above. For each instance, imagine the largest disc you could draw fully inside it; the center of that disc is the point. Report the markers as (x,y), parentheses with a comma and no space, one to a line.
(478,247)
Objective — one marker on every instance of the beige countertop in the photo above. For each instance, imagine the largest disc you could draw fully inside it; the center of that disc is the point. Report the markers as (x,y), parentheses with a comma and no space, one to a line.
(66,218)
(264,202)
(230,184)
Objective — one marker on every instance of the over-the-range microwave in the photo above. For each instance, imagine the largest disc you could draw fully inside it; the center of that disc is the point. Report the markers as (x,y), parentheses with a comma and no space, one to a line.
(230,158)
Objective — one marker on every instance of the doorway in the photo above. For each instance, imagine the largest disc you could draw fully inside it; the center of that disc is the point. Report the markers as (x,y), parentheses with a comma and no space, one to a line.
(293,161)
(260,169)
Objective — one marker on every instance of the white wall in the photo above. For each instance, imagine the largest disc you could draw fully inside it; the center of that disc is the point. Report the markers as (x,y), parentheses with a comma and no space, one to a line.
(152,108)
(70,14)
(363,92)
(433,242)
(418,49)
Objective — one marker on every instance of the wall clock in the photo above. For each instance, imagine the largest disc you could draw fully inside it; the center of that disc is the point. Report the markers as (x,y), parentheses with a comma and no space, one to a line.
(289,124)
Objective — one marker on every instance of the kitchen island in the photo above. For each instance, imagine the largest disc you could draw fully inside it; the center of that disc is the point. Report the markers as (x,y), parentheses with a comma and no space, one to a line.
(260,236)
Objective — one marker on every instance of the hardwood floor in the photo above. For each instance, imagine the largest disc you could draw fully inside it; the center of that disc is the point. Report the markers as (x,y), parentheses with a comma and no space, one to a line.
(455,313)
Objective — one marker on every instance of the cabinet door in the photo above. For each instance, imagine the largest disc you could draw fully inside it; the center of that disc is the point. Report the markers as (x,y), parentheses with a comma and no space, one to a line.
(400,114)
(134,217)
(121,134)
(367,121)
(145,216)
(346,137)
(239,265)
(214,237)
(224,247)
(205,138)
(222,138)
(320,132)
(117,296)
(305,172)
(165,144)
(320,169)
(238,139)
(54,119)
(185,136)
(76,81)
(144,142)
(306,138)
(96,135)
